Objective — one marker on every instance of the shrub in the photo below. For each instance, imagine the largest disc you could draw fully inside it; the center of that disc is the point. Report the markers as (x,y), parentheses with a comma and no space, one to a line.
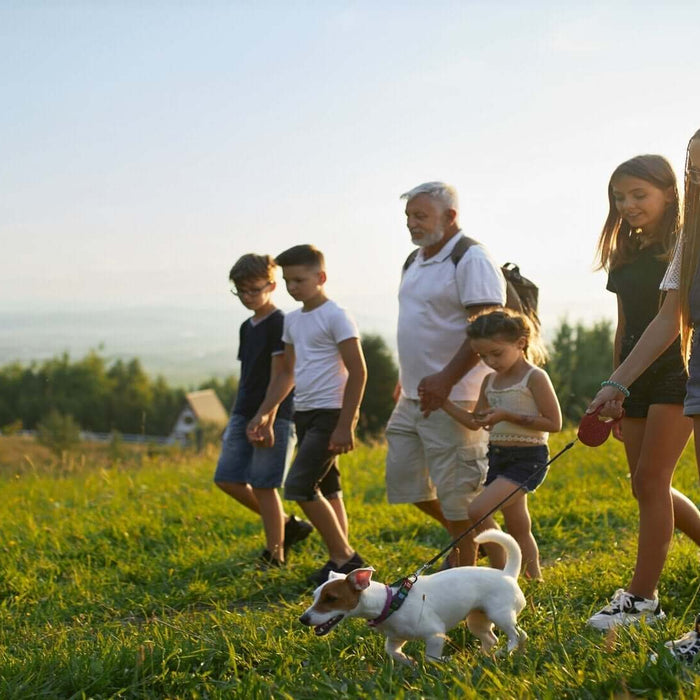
(59,432)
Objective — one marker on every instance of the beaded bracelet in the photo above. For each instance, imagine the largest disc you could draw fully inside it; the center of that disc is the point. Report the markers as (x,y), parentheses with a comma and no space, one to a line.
(621,388)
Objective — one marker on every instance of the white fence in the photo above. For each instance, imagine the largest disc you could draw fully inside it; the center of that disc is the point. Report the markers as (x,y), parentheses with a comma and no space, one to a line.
(87,436)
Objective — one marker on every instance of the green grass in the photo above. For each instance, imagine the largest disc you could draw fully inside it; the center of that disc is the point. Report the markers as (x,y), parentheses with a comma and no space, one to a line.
(129,576)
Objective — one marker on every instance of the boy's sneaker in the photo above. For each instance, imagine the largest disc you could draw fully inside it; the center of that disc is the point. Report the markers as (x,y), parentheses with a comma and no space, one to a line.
(295,531)
(687,647)
(625,608)
(321,576)
(267,561)
(355,562)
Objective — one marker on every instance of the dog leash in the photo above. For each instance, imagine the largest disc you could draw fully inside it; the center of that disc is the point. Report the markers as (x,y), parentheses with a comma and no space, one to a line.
(430,563)
(591,432)
(394,600)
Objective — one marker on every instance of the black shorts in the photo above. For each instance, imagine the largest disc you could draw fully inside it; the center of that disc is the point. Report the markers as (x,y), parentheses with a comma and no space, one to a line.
(524,466)
(663,382)
(314,467)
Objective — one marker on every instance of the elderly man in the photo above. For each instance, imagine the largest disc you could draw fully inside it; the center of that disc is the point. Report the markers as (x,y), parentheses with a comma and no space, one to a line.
(433,461)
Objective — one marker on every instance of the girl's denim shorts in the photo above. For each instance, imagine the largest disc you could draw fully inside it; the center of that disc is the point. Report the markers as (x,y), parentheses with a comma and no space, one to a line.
(524,466)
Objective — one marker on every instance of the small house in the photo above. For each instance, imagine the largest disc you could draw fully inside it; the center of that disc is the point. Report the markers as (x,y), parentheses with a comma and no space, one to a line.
(202,409)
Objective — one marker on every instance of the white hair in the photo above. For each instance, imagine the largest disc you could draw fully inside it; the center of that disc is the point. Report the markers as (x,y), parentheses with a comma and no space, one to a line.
(443,193)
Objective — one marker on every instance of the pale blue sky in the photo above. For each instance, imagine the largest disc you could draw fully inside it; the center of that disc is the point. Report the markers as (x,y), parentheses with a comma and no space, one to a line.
(146,145)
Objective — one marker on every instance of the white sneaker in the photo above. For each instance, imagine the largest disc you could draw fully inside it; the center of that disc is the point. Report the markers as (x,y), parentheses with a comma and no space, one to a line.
(687,647)
(625,609)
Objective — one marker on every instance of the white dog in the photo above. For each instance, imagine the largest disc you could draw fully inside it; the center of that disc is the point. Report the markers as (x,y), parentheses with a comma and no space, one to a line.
(434,604)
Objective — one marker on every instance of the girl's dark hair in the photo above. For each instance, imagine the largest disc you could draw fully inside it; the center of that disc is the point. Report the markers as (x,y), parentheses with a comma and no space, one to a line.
(617,244)
(691,249)
(252,267)
(509,326)
(304,254)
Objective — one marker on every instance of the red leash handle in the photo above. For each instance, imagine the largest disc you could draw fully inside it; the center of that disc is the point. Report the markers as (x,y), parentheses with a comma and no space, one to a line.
(593,431)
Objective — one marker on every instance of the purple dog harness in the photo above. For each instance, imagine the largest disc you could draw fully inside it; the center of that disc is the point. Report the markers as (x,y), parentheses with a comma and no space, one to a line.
(394,600)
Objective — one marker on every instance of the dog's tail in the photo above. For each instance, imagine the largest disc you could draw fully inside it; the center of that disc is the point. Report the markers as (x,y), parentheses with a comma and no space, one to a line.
(514,558)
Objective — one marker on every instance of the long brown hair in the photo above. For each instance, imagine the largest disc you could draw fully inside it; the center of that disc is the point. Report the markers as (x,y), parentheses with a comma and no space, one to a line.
(617,244)
(691,249)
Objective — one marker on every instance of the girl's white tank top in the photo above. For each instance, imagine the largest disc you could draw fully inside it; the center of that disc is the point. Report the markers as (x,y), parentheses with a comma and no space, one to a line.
(518,399)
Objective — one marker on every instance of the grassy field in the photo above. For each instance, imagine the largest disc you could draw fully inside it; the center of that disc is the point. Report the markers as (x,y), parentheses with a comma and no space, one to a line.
(129,575)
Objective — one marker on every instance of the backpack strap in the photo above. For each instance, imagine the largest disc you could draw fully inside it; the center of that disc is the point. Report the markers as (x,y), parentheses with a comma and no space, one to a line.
(409,260)
(463,244)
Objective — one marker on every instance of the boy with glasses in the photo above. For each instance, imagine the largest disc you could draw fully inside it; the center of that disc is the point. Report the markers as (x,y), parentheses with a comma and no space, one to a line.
(251,474)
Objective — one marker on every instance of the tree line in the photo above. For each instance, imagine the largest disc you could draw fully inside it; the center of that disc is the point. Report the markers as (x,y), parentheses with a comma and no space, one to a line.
(104,396)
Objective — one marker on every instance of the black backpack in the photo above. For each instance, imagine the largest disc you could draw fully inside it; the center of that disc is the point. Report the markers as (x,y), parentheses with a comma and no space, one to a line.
(521,293)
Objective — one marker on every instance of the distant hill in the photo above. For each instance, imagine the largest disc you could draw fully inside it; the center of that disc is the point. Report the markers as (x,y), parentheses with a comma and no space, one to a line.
(185,345)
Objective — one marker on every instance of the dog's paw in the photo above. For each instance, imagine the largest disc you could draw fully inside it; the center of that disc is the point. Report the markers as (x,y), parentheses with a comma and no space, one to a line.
(404,660)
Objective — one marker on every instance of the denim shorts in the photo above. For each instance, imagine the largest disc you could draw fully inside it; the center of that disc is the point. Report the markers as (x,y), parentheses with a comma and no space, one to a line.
(518,464)
(691,407)
(314,468)
(261,467)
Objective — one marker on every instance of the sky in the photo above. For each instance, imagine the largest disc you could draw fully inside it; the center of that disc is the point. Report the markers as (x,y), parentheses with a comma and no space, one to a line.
(145,146)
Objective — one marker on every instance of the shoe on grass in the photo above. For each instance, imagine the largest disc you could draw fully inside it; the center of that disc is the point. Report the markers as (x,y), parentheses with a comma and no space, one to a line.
(295,531)
(688,646)
(267,561)
(626,608)
(321,576)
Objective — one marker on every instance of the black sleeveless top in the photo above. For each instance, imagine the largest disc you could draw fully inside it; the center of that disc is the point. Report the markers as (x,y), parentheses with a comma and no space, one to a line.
(637,286)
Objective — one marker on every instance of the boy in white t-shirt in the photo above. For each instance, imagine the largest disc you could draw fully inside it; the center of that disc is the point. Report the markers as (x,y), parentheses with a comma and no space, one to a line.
(324,363)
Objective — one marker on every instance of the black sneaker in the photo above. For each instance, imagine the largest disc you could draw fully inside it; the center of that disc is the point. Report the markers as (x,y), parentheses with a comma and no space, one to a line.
(295,531)
(355,562)
(687,647)
(321,576)
(625,608)
(267,561)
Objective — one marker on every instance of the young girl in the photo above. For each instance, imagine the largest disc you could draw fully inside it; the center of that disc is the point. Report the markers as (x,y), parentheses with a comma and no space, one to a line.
(634,246)
(681,307)
(517,404)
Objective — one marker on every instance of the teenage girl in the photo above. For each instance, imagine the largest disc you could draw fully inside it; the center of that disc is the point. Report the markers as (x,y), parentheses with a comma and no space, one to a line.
(517,404)
(680,308)
(634,247)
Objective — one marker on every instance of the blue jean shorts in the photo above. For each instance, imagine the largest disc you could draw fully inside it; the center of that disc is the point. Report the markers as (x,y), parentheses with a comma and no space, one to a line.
(524,466)
(691,406)
(261,467)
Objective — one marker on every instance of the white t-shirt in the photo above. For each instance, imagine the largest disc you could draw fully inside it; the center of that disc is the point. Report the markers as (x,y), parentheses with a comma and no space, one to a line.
(433,319)
(320,374)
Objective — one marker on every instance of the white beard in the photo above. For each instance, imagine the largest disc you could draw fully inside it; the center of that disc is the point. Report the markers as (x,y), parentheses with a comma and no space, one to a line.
(428,239)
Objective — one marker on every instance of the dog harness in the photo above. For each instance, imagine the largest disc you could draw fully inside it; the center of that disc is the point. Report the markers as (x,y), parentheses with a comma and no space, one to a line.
(394,600)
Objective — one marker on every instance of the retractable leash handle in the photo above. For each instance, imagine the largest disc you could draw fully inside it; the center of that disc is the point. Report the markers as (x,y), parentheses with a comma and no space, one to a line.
(594,430)
(428,564)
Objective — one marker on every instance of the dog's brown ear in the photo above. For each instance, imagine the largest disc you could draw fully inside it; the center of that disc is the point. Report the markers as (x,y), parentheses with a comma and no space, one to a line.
(360,579)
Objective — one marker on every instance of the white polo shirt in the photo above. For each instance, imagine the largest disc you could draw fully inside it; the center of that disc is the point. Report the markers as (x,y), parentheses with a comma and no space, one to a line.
(320,374)
(433,297)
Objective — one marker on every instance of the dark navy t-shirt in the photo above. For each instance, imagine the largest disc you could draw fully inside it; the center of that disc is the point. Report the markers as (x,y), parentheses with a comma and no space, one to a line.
(257,344)
(694,299)
(637,286)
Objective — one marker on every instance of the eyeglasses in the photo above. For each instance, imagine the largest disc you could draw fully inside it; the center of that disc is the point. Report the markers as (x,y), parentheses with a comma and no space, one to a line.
(249,292)
(694,175)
